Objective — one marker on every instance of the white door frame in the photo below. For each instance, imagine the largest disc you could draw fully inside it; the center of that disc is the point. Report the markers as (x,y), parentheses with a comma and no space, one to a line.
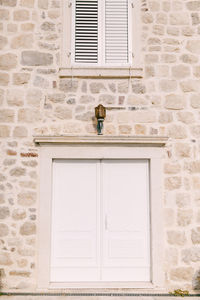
(101,148)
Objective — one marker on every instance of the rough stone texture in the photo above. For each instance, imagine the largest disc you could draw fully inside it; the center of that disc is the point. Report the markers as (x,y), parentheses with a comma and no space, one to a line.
(36,100)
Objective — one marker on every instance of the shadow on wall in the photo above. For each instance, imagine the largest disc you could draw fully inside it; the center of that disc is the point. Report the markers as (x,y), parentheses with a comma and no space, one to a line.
(196,281)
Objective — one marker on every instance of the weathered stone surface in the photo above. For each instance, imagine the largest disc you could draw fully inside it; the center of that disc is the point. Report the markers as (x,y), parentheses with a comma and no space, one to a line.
(28,228)
(27,27)
(4,79)
(186,117)
(9,162)
(87,99)
(123,86)
(10,3)
(189,58)
(125,129)
(195,235)
(172,183)
(195,100)
(171,256)
(26,198)
(18,171)
(3,41)
(21,78)
(193,46)
(97,87)
(22,41)
(48,26)
(20,273)
(180,71)
(181,274)
(169,217)
(20,131)
(19,214)
(168,85)
(193,5)
(3,230)
(4,131)
(68,85)
(15,97)
(174,101)
(172,168)
(5,259)
(41,82)
(191,255)
(184,217)
(107,99)
(179,18)
(165,117)
(63,113)
(182,200)
(27,3)
(182,150)
(195,131)
(4,212)
(4,14)
(6,115)
(43,4)
(176,238)
(177,132)
(35,58)
(8,61)
(28,115)
(21,15)
(57,97)
(88,116)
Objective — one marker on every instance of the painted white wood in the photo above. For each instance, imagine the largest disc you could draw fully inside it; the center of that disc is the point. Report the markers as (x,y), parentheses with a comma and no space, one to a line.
(75,229)
(126,249)
(72,148)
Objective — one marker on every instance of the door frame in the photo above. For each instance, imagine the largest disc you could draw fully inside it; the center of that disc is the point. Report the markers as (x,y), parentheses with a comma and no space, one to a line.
(100,148)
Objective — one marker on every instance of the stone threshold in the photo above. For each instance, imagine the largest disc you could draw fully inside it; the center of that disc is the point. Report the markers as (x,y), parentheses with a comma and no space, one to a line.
(155,141)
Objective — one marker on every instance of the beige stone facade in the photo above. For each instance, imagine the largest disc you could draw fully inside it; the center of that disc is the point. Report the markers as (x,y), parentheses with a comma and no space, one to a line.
(36,100)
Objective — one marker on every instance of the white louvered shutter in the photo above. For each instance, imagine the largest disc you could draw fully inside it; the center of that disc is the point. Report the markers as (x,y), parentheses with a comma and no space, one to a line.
(86,31)
(116,31)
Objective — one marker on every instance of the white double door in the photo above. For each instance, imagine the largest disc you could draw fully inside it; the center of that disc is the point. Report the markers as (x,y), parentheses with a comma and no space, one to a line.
(100,221)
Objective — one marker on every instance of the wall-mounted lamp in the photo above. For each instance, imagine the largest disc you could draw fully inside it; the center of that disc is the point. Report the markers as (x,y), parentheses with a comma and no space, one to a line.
(100,114)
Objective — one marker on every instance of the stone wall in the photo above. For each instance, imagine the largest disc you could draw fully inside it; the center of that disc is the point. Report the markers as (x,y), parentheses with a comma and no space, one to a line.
(34,100)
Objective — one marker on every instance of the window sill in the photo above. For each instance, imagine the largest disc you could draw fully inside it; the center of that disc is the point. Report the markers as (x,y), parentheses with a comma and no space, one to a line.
(98,72)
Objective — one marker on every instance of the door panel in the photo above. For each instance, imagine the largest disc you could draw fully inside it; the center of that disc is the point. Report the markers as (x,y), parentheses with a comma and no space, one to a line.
(75,229)
(126,213)
(100,221)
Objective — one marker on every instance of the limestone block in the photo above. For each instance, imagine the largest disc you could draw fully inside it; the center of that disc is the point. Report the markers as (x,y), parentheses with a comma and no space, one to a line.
(28,228)
(191,255)
(6,115)
(15,97)
(35,58)
(180,71)
(179,18)
(8,61)
(53,14)
(195,235)
(43,4)
(170,168)
(87,99)
(193,166)
(161,18)
(176,238)
(165,117)
(181,274)
(19,214)
(169,217)
(174,101)
(107,99)
(97,87)
(68,85)
(140,129)
(182,150)
(3,41)
(21,15)
(186,117)
(182,200)
(18,171)
(63,113)
(9,162)
(168,85)
(57,97)
(138,87)
(5,259)
(147,18)
(168,58)
(4,230)
(26,198)
(34,97)
(48,26)
(151,58)
(123,87)
(173,183)
(136,100)
(195,131)
(22,41)
(193,46)
(125,129)
(4,14)
(27,3)
(193,5)
(72,128)
(171,257)
(41,82)
(177,131)
(21,78)
(195,100)
(184,217)
(87,116)
(10,3)
(28,115)
(4,131)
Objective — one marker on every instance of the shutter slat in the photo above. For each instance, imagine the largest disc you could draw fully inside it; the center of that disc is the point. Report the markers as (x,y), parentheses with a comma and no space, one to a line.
(86,31)
(116,31)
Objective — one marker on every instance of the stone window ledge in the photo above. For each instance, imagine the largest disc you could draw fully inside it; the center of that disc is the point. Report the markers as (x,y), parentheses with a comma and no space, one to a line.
(101,72)
(154,141)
